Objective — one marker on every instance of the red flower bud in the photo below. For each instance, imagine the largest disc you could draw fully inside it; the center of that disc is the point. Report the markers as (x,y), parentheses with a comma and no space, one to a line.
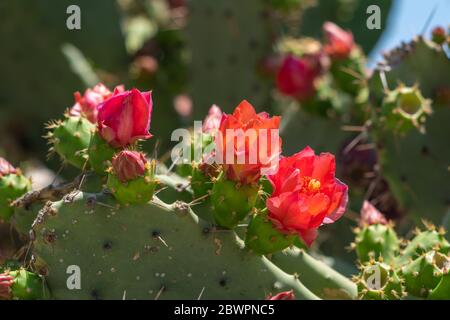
(86,105)
(371,215)
(306,194)
(252,146)
(285,295)
(129,165)
(6,281)
(6,168)
(339,42)
(296,76)
(439,35)
(125,117)
(212,121)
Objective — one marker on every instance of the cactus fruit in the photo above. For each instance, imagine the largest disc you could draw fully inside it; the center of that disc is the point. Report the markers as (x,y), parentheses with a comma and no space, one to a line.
(132,178)
(22,284)
(423,274)
(263,238)
(70,139)
(405,108)
(13,184)
(423,242)
(375,237)
(232,201)
(379,281)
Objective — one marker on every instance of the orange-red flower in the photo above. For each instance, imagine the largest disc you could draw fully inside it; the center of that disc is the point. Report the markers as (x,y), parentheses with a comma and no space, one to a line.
(306,194)
(248,142)
(87,104)
(339,42)
(285,295)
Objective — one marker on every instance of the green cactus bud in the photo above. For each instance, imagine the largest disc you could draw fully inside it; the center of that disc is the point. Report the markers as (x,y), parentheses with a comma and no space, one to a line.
(27,285)
(405,108)
(424,241)
(424,274)
(100,154)
(377,240)
(132,178)
(232,201)
(263,238)
(12,186)
(70,139)
(379,281)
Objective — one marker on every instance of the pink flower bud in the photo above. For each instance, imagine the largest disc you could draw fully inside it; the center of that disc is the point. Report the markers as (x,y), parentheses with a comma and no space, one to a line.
(212,120)
(370,215)
(285,295)
(339,42)
(6,281)
(6,168)
(296,76)
(125,117)
(87,104)
(129,165)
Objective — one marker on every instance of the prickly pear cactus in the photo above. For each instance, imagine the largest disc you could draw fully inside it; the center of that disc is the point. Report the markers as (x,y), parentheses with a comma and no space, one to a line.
(401,154)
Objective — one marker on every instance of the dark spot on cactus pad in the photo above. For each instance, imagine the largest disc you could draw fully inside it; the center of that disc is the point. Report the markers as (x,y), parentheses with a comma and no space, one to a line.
(107,245)
(256,88)
(49,236)
(209,64)
(265,14)
(91,201)
(206,230)
(425,151)
(156,233)
(95,295)
(223,282)
(403,178)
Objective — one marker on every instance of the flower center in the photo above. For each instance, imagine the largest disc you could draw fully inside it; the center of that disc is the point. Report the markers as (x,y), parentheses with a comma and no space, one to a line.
(310,185)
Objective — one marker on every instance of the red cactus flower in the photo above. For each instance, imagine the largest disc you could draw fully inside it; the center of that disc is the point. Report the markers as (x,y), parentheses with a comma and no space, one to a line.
(439,35)
(296,76)
(125,117)
(129,165)
(6,281)
(371,215)
(340,43)
(285,295)
(306,194)
(251,141)
(212,121)
(6,167)
(87,104)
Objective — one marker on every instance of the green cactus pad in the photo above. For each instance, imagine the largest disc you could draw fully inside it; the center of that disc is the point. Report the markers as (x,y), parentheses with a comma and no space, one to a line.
(100,154)
(12,186)
(70,140)
(376,241)
(424,274)
(201,183)
(263,238)
(442,290)
(151,251)
(379,281)
(232,202)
